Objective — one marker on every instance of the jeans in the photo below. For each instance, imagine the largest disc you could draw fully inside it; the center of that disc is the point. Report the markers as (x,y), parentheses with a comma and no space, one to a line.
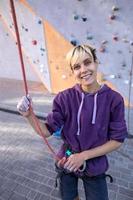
(95,187)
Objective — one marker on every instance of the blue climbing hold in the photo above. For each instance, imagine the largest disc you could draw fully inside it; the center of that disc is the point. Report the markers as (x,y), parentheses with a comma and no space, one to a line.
(76,17)
(74,42)
(39,22)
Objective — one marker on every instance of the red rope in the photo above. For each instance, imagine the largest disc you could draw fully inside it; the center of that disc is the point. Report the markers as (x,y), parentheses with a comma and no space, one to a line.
(24,78)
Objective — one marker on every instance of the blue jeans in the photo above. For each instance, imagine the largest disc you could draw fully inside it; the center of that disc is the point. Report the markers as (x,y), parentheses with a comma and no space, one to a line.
(95,187)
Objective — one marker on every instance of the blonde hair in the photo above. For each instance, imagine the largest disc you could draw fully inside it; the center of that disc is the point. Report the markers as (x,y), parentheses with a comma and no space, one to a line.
(78,51)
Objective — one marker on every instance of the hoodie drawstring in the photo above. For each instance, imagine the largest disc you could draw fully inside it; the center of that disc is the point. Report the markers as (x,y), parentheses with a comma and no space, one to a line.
(79,113)
(93,115)
(94,109)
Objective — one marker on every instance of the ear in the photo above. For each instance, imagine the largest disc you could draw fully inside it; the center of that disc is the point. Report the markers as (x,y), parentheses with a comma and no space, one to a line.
(97,62)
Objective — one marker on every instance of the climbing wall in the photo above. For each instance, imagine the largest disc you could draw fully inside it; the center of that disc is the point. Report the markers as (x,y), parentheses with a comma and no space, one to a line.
(105,24)
(57,47)
(32,38)
(9,60)
(49,29)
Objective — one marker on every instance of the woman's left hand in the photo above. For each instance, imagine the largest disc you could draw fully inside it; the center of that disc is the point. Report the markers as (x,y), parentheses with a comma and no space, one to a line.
(74,162)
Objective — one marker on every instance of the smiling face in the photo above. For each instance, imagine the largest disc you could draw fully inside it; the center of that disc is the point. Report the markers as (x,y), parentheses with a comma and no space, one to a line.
(84,66)
(85,70)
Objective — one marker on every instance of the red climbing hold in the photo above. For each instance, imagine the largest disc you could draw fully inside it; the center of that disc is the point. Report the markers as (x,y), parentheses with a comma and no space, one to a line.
(112,17)
(102,49)
(34,42)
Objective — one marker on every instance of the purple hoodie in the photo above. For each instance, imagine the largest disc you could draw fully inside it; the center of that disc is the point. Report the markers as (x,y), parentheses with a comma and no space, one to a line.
(88,120)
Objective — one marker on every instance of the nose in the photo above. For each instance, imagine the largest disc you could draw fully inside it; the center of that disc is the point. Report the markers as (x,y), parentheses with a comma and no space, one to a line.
(83,68)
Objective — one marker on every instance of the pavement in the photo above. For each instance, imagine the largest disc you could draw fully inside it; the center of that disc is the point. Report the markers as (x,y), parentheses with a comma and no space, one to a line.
(27,166)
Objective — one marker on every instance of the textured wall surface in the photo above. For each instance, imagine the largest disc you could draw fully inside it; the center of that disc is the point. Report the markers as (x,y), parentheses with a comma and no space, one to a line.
(26,167)
(106,24)
(9,59)
(31,35)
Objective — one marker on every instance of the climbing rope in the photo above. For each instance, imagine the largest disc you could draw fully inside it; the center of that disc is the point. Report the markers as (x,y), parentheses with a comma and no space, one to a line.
(25,81)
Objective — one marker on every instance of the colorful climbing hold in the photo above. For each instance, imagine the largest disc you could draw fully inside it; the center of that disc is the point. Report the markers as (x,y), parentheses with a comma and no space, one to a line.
(115,8)
(89,37)
(125,40)
(41,70)
(41,66)
(119,76)
(34,42)
(84,18)
(42,49)
(115,37)
(74,42)
(39,22)
(126,81)
(104,41)
(131,42)
(76,17)
(102,49)
(112,17)
(112,76)
(123,64)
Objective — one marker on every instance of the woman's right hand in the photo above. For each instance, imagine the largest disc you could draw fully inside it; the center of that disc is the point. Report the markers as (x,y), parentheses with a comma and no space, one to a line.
(24,105)
(61,162)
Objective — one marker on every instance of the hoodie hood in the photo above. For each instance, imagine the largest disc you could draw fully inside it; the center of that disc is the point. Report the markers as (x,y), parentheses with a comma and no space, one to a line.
(103,88)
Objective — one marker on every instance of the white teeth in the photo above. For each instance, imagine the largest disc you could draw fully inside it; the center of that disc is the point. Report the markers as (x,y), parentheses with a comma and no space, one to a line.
(87,75)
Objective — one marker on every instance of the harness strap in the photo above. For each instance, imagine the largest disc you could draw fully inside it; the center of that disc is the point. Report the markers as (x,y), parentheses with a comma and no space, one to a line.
(110,177)
(61,171)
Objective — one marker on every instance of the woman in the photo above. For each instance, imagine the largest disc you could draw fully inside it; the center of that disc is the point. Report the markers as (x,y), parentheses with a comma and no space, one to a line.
(91,119)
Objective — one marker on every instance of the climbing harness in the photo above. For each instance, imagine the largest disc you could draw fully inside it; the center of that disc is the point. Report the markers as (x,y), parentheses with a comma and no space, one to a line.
(61,171)
(81,172)
(69,152)
(25,81)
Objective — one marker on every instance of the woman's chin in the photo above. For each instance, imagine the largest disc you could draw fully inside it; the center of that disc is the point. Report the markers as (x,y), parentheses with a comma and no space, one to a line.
(87,82)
